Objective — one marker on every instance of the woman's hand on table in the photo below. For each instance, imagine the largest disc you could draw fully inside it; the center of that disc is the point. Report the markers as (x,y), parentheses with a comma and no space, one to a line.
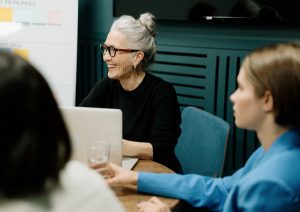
(153,205)
(120,176)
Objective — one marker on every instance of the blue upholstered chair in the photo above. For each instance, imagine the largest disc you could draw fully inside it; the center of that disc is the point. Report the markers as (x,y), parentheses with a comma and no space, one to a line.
(201,147)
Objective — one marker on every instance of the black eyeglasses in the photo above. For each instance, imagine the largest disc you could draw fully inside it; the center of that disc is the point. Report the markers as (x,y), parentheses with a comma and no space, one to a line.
(112,50)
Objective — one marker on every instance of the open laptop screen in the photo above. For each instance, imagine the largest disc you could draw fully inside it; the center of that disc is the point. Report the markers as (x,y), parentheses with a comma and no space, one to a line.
(94,124)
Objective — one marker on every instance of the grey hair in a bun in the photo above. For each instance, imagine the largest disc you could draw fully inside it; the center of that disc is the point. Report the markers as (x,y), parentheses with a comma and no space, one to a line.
(140,34)
(147,20)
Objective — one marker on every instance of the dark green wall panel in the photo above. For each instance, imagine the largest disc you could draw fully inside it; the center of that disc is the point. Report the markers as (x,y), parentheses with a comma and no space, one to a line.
(201,61)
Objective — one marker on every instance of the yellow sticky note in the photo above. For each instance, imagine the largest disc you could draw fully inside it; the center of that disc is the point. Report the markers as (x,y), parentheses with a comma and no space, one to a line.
(22,52)
(6,14)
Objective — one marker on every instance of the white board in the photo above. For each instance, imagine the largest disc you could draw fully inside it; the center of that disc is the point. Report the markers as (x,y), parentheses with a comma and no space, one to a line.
(44,32)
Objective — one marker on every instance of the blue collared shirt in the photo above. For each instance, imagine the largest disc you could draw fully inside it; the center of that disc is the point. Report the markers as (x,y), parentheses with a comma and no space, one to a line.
(270,181)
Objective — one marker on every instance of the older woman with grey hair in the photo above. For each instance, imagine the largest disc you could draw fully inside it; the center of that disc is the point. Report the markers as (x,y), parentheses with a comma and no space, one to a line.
(151,115)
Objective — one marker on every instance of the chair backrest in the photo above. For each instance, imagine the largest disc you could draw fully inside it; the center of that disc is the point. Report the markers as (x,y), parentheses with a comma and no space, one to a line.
(201,148)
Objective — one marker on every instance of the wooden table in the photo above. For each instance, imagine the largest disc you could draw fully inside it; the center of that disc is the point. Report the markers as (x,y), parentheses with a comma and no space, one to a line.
(130,197)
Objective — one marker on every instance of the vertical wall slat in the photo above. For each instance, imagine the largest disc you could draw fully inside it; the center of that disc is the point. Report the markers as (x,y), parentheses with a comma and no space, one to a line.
(89,67)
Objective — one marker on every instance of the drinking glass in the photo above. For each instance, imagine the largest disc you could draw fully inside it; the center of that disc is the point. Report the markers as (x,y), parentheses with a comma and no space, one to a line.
(98,157)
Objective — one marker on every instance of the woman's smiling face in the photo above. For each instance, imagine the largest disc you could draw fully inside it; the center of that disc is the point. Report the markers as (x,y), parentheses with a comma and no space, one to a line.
(121,65)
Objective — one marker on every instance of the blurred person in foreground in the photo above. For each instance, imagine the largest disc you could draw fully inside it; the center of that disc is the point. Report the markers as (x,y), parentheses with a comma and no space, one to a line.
(36,174)
(267,101)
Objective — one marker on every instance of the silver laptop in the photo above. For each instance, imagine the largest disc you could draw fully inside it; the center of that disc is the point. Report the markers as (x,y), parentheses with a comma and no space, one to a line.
(91,124)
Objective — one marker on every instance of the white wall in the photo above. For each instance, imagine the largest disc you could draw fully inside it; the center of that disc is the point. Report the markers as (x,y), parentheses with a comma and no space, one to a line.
(44,32)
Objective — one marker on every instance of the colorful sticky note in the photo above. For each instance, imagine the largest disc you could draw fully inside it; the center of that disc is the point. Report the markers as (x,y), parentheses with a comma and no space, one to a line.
(6,14)
(22,52)
(54,17)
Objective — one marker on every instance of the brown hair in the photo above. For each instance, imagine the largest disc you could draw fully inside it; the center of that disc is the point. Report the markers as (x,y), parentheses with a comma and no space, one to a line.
(277,68)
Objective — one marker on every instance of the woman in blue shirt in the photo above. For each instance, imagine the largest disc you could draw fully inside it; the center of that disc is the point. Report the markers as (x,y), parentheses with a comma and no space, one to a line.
(267,100)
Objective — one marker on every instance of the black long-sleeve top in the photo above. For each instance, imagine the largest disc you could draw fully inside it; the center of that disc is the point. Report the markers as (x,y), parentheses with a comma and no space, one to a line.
(150,113)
